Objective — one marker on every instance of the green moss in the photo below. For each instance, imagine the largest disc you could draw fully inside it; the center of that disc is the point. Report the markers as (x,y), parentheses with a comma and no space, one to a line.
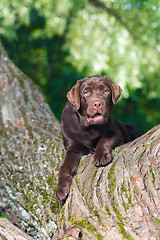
(126,205)
(158,220)
(153,176)
(60,136)
(81,164)
(123,189)
(78,181)
(62,214)
(95,213)
(118,151)
(123,232)
(107,210)
(94,174)
(29,206)
(117,212)
(3,237)
(54,206)
(51,180)
(152,145)
(21,82)
(58,140)
(99,236)
(85,224)
(63,155)
(141,158)
(135,190)
(112,180)
(111,172)
(1,217)
(35,141)
(124,192)
(57,150)
(120,223)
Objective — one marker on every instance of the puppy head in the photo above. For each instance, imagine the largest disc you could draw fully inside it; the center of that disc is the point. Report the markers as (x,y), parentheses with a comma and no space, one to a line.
(94,97)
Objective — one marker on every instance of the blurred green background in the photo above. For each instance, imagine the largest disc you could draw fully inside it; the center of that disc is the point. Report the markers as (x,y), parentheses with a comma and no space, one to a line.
(56,42)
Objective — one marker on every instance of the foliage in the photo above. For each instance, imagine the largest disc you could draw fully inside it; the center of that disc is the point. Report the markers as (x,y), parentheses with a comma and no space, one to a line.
(58,42)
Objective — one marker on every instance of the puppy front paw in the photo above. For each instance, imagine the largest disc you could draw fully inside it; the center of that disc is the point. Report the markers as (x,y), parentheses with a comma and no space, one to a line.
(63,188)
(102,158)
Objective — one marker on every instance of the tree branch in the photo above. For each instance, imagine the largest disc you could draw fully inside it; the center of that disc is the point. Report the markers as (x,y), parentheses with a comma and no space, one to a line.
(121,200)
(113,13)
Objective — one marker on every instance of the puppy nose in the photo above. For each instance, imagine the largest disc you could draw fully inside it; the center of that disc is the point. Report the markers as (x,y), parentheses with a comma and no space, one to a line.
(97,104)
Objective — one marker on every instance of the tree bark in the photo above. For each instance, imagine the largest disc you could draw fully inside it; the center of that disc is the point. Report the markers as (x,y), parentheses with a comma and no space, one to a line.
(10,232)
(119,201)
(31,150)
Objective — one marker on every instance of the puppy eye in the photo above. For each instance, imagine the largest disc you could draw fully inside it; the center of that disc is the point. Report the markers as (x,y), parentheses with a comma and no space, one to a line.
(106,91)
(86,91)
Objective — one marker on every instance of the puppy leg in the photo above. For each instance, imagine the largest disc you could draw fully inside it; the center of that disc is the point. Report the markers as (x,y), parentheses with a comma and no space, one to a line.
(105,145)
(66,173)
(102,154)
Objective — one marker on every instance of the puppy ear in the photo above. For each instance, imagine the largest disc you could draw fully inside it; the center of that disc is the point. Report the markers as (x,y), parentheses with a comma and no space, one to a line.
(116,90)
(74,94)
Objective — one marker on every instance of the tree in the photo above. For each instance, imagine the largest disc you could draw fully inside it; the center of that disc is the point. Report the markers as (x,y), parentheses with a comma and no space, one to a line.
(119,201)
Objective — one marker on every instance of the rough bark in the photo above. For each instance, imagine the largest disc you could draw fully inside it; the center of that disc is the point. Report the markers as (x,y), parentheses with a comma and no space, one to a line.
(30,152)
(119,201)
(122,200)
(10,232)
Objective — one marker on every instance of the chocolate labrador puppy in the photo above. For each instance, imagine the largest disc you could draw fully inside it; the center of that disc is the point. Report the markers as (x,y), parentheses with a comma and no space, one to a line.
(88,127)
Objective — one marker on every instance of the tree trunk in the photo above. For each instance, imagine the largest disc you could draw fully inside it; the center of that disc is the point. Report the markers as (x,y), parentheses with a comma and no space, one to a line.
(119,201)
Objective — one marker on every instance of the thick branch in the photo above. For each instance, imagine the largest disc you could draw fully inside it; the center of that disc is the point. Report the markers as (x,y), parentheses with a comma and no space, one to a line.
(121,200)
(113,13)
